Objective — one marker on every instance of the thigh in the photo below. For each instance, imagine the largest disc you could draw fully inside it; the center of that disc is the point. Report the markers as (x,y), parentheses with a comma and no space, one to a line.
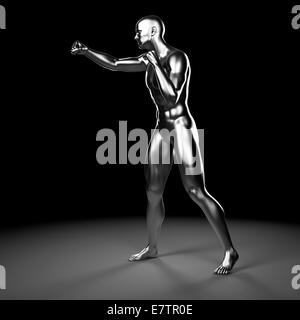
(159,160)
(187,150)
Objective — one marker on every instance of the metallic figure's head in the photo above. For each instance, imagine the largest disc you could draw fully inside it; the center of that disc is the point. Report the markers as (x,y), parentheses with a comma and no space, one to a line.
(148,30)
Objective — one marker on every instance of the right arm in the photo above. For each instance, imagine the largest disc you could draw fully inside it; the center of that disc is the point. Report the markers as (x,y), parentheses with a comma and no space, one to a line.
(107,61)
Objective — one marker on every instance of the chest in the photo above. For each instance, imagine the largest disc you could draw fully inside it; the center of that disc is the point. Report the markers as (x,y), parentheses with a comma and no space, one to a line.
(151,78)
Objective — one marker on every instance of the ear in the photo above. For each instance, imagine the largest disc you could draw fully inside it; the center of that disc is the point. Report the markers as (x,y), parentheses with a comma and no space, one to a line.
(153,31)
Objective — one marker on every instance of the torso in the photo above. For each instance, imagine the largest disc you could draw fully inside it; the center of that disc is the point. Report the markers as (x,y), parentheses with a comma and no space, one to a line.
(167,114)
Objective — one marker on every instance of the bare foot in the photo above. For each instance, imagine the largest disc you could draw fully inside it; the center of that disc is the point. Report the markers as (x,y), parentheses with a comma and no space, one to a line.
(146,253)
(231,257)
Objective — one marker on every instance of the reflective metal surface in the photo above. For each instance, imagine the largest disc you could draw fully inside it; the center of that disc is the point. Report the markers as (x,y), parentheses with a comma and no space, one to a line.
(167,75)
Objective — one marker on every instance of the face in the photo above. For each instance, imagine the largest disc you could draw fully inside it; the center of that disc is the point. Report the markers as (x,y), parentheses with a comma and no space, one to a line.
(143,35)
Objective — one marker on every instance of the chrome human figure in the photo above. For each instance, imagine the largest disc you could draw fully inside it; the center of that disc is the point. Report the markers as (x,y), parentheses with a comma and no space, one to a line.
(167,72)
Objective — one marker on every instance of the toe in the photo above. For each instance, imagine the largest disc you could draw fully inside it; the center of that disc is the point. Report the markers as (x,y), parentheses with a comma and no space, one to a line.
(227,271)
(131,258)
(222,270)
(216,271)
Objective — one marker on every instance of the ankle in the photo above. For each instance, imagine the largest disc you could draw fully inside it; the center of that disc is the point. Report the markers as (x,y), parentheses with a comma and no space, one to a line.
(231,250)
(152,248)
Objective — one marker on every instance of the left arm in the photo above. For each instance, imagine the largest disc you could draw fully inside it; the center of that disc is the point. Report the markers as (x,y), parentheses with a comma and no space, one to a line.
(171,86)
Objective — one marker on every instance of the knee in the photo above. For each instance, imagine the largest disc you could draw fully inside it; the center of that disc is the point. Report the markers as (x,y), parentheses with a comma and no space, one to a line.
(195,191)
(154,195)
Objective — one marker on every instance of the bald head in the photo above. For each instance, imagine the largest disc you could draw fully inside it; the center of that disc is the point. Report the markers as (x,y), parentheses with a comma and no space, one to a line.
(149,28)
(153,22)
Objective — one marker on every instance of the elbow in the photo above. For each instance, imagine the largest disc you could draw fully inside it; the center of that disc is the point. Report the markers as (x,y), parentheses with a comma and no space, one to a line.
(110,68)
(174,98)
(171,100)
(114,65)
(118,65)
(174,95)
(111,65)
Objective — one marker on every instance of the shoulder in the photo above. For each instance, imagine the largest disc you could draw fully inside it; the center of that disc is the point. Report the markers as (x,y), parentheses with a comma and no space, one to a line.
(178,59)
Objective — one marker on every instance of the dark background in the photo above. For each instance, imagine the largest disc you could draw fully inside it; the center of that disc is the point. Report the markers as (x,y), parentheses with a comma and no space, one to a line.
(243,57)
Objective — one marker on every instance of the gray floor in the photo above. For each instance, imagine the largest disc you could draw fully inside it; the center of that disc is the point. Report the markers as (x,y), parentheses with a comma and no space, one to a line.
(89,261)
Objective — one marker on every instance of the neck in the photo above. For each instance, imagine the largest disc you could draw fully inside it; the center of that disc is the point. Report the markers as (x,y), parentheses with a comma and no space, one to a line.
(160,48)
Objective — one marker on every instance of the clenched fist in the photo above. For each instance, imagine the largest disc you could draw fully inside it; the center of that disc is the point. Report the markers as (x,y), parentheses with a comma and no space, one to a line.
(152,58)
(78,48)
